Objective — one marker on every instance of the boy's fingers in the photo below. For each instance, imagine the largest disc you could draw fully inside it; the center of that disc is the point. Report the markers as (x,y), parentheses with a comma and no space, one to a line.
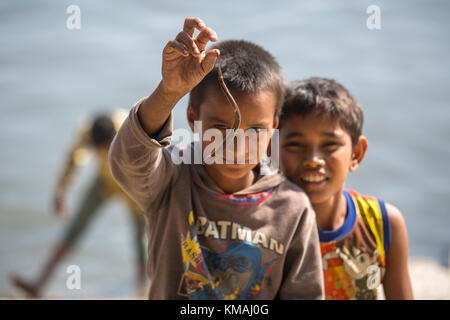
(206,35)
(188,43)
(177,46)
(190,24)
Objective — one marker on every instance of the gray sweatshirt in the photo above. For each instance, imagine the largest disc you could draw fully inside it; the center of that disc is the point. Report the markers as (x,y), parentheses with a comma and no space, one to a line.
(258,243)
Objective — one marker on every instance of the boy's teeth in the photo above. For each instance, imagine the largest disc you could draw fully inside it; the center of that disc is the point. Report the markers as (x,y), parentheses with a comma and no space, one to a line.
(314,178)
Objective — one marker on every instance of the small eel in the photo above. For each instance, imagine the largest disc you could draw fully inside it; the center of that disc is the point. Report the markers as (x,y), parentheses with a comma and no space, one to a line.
(237,113)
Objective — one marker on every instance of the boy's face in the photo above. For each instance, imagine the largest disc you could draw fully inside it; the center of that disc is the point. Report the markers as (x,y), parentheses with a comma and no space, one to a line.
(257,112)
(317,154)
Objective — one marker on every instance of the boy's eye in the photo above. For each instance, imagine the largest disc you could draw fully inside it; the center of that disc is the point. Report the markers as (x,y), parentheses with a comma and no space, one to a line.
(221,127)
(331,145)
(258,130)
(293,145)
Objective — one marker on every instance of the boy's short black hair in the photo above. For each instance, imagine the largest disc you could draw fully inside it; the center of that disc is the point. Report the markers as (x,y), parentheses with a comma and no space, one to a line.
(324,96)
(246,67)
(103,130)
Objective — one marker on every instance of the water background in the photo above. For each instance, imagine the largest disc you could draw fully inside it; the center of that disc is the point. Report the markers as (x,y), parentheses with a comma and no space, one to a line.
(52,77)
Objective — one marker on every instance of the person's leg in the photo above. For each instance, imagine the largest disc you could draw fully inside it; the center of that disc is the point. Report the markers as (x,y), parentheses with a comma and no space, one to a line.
(140,245)
(78,225)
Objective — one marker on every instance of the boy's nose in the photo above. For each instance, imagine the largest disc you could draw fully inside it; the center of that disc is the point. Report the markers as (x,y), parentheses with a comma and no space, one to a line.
(246,147)
(314,159)
(239,150)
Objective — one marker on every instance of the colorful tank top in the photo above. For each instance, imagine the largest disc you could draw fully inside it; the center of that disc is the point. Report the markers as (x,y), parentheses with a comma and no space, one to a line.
(354,255)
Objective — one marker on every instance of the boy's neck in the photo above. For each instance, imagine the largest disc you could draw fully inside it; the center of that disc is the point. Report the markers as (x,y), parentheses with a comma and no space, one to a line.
(228,185)
(331,214)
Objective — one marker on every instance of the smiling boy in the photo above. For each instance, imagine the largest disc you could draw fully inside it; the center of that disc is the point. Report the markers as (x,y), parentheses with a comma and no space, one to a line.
(217,231)
(363,239)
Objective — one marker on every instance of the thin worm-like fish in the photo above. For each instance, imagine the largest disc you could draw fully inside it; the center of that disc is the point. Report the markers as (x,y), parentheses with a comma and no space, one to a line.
(237,113)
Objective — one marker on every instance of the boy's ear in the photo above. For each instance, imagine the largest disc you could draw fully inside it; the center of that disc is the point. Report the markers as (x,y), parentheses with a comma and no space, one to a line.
(359,151)
(276,122)
(191,116)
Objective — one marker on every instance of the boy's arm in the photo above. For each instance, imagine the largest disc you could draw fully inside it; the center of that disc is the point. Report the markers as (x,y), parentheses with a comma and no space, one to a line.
(77,156)
(396,283)
(139,163)
(137,160)
(303,271)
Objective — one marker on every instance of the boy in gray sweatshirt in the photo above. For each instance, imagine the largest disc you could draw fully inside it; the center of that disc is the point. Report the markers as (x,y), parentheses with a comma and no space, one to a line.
(217,229)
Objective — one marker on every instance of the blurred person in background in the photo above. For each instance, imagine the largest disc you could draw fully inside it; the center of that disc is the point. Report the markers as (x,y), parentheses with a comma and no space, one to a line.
(96,135)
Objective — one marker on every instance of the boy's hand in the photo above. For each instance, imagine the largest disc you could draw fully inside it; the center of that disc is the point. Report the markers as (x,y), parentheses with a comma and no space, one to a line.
(185,61)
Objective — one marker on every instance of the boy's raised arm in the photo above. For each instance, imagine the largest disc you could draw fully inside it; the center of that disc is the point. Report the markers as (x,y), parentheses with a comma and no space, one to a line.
(185,63)
(136,156)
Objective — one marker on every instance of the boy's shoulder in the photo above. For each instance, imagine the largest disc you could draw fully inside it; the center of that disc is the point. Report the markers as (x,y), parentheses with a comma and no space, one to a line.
(366,207)
(291,187)
(289,191)
(390,210)
(378,213)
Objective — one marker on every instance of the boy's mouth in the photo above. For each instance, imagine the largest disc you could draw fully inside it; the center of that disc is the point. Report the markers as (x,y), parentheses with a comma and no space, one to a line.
(313,179)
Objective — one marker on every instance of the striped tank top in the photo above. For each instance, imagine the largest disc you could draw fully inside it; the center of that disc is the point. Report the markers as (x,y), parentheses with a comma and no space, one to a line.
(354,255)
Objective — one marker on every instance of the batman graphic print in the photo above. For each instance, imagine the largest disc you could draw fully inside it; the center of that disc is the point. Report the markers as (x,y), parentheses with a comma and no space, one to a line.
(239,272)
